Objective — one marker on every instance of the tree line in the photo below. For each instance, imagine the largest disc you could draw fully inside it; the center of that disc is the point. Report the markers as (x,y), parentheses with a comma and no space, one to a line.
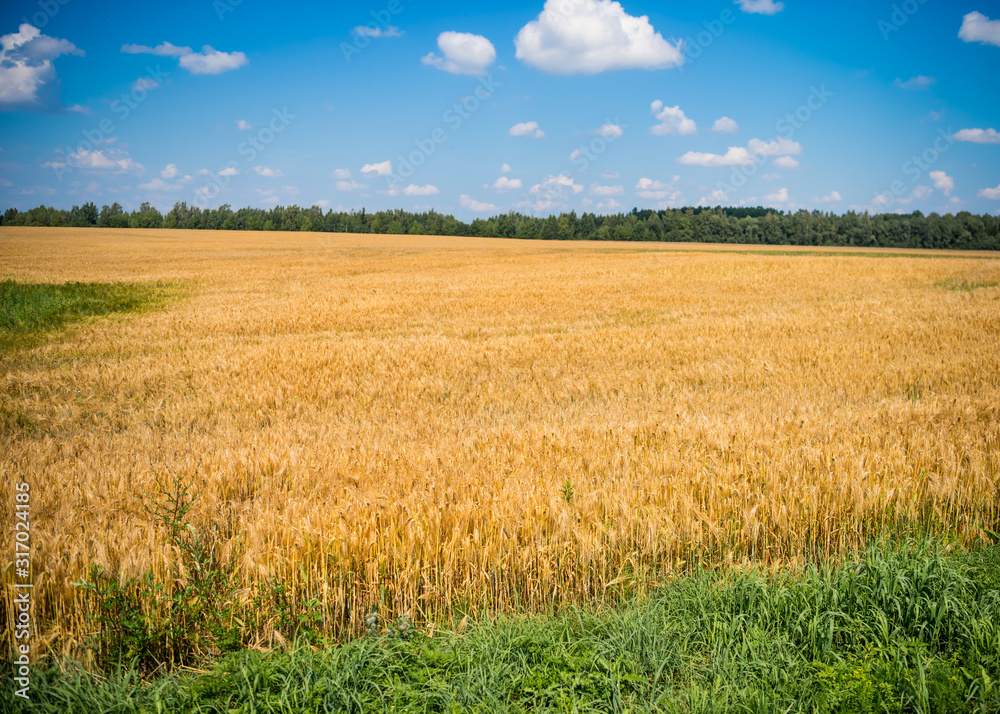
(767,226)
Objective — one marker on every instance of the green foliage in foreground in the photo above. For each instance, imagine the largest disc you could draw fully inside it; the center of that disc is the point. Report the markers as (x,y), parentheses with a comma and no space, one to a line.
(904,628)
(27,309)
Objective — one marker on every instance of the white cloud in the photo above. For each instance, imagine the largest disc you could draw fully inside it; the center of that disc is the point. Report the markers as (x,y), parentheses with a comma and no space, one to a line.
(599,190)
(99,160)
(413,190)
(735,156)
(740,156)
(672,120)
(349,185)
(610,131)
(918,82)
(474,205)
(527,128)
(918,194)
(591,36)
(611,175)
(771,177)
(993,193)
(786,162)
(943,182)
(169,171)
(341,174)
(159,185)
(383,168)
(560,183)
(761,7)
(145,84)
(976,27)
(505,169)
(208,61)
(267,171)
(243,125)
(832,198)
(979,136)
(376,32)
(652,189)
(725,125)
(779,196)
(464,53)
(778,147)
(608,206)
(28,78)
(229,171)
(503,183)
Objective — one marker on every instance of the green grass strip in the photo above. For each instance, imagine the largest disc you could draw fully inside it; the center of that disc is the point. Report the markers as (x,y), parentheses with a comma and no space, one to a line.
(903,627)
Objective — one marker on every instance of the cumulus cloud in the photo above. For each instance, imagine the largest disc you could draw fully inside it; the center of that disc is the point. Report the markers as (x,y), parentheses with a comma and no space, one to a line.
(414,190)
(943,182)
(229,171)
(993,193)
(976,27)
(114,160)
(170,171)
(463,53)
(28,78)
(652,189)
(267,171)
(503,183)
(725,125)
(243,125)
(918,82)
(610,131)
(505,169)
(609,206)
(527,128)
(786,162)
(979,136)
(832,198)
(561,183)
(599,190)
(740,156)
(474,205)
(349,185)
(672,120)
(208,61)
(761,7)
(553,192)
(383,168)
(591,36)
(779,196)
(342,174)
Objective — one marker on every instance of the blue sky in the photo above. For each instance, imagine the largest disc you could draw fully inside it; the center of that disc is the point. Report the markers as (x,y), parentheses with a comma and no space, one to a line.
(478,109)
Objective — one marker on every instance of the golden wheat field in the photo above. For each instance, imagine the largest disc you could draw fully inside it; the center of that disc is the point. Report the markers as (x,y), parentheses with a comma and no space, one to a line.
(439,423)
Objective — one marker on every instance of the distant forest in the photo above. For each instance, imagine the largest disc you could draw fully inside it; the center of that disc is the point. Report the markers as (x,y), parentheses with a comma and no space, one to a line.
(962,231)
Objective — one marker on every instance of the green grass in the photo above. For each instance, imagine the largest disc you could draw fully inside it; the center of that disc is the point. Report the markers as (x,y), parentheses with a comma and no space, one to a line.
(28,311)
(963,285)
(903,627)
